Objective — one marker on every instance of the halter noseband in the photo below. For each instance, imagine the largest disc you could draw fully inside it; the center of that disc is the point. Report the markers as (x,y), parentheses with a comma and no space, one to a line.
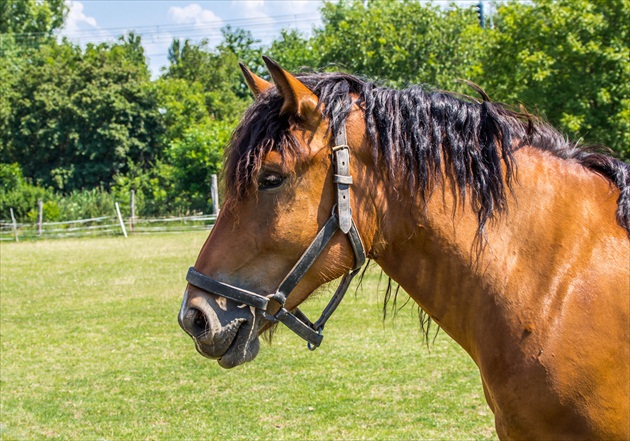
(340,219)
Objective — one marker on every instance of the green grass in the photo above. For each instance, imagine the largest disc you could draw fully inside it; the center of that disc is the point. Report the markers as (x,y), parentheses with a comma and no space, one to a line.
(91,350)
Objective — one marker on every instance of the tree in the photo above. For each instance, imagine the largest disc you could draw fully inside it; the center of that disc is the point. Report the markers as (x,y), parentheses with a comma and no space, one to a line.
(24,26)
(31,19)
(244,46)
(216,73)
(402,42)
(188,61)
(195,158)
(11,65)
(570,61)
(295,52)
(182,105)
(81,117)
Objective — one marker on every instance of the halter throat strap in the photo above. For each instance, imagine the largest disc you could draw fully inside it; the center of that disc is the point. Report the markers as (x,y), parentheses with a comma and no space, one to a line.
(340,219)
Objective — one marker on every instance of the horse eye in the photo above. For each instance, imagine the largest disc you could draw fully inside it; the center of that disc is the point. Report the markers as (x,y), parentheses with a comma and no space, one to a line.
(270,180)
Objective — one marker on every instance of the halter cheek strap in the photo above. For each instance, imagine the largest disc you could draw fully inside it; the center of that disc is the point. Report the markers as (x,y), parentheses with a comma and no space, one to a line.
(340,219)
(343,179)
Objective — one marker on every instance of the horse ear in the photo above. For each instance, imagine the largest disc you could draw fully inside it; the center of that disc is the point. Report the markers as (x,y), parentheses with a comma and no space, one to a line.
(298,99)
(256,84)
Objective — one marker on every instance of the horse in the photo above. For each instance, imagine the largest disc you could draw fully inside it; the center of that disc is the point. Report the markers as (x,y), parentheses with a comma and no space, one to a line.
(515,241)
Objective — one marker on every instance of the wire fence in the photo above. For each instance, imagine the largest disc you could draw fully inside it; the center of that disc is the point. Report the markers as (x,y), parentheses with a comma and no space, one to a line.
(102,226)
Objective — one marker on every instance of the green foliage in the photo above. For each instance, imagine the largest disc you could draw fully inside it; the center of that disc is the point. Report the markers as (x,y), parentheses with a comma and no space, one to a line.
(11,63)
(38,18)
(214,73)
(402,42)
(182,104)
(195,143)
(181,183)
(195,157)
(569,60)
(80,117)
(152,189)
(10,176)
(83,204)
(17,193)
(242,44)
(294,52)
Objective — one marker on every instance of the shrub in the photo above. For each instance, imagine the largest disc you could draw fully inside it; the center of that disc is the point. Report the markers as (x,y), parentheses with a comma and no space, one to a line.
(19,194)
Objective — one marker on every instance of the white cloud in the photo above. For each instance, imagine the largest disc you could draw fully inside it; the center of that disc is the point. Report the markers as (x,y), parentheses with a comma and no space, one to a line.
(254,10)
(250,8)
(193,14)
(81,28)
(272,16)
(77,20)
(303,6)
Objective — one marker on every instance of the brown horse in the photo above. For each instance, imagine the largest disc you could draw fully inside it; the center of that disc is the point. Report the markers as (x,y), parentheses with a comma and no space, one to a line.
(513,240)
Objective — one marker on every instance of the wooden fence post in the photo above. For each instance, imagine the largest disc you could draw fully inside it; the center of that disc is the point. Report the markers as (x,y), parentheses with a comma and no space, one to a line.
(132,219)
(215,196)
(15,233)
(40,216)
(122,223)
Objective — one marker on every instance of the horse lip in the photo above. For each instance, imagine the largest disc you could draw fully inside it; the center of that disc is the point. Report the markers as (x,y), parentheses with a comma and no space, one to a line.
(239,352)
(243,348)
(211,345)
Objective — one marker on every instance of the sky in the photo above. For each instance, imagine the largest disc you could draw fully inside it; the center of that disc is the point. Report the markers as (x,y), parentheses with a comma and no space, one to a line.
(158,22)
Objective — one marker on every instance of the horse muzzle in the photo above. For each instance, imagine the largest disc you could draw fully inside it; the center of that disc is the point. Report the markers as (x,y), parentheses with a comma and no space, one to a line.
(221,331)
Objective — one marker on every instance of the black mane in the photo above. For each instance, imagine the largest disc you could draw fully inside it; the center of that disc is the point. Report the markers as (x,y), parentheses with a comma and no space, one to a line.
(415,133)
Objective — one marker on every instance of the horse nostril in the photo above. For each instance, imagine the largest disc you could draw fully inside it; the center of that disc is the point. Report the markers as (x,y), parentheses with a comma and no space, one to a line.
(200,320)
(195,322)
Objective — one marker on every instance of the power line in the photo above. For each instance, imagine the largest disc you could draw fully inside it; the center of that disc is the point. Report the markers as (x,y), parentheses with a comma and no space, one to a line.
(262,28)
(243,22)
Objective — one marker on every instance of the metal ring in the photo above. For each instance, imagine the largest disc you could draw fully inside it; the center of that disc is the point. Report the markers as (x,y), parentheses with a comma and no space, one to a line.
(308,344)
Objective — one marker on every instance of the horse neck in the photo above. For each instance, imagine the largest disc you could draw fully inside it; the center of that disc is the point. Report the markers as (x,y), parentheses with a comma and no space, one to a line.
(431,250)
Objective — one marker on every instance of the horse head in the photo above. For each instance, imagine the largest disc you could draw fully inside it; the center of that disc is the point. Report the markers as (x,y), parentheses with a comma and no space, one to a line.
(288,224)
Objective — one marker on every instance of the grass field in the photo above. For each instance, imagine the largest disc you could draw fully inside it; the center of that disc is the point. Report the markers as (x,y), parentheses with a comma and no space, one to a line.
(91,350)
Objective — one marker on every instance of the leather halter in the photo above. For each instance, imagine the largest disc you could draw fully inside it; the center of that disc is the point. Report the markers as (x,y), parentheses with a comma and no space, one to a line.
(340,219)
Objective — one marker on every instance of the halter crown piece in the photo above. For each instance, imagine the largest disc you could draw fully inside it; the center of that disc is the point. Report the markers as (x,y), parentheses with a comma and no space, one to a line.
(340,219)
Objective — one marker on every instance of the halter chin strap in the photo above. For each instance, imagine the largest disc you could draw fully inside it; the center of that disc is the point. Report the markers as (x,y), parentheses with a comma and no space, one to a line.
(340,219)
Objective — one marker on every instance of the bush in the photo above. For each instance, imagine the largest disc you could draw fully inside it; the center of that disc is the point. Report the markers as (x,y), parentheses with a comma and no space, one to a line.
(19,194)
(195,158)
(85,204)
(154,194)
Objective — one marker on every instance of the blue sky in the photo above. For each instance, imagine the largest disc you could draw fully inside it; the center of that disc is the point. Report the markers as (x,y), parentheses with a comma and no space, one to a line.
(160,21)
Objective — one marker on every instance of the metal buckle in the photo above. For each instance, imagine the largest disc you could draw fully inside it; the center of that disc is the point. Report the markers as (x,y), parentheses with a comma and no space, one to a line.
(340,147)
(280,299)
